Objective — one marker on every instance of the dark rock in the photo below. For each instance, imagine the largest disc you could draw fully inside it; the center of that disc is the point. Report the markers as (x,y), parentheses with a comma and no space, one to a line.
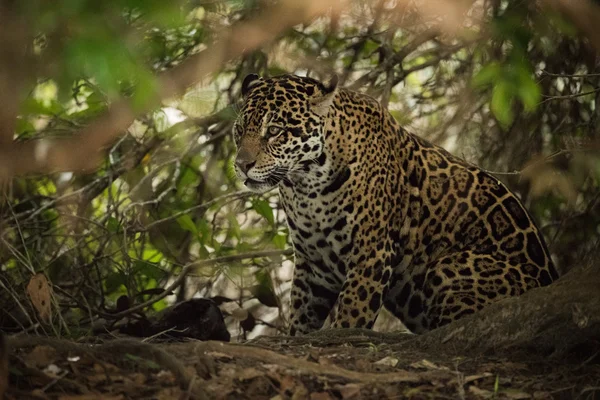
(199,319)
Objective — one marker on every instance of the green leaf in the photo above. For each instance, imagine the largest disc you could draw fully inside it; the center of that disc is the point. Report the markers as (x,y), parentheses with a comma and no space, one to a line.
(370,46)
(113,225)
(33,106)
(502,101)
(186,223)
(227,114)
(114,281)
(188,178)
(148,269)
(529,92)
(280,241)
(145,91)
(203,252)
(264,291)
(205,231)
(263,208)
(487,75)
(265,295)
(234,227)
(23,125)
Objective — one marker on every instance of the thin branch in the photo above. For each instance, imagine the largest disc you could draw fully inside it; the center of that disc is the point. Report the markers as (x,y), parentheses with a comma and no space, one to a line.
(568,96)
(544,72)
(189,268)
(396,58)
(208,204)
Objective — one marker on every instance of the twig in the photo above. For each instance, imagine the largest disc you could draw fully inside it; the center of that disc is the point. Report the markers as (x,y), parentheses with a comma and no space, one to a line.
(538,162)
(190,267)
(544,72)
(396,58)
(208,204)
(54,381)
(568,96)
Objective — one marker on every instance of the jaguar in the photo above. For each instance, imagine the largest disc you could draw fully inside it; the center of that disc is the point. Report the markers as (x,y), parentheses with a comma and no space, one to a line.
(379,217)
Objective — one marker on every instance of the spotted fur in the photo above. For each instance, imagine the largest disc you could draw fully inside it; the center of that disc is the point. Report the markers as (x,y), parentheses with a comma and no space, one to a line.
(378,216)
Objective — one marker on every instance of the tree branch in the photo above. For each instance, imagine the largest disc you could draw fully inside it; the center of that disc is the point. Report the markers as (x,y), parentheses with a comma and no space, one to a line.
(82,152)
(396,58)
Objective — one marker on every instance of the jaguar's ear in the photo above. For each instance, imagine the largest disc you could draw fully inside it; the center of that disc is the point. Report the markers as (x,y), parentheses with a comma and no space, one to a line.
(321,103)
(249,81)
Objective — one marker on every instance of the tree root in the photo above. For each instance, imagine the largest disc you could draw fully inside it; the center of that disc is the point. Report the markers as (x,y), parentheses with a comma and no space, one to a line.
(358,337)
(304,366)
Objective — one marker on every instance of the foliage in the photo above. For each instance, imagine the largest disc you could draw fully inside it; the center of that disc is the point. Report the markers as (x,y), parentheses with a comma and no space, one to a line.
(513,91)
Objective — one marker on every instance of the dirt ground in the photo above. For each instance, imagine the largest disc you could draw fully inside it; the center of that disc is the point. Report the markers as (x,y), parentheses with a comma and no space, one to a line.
(350,367)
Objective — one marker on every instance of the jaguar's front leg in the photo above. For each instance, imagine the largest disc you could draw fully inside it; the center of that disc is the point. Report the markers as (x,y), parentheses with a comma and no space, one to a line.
(361,298)
(312,298)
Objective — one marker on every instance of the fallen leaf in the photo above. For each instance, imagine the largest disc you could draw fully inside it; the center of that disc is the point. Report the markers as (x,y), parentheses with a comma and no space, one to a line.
(286,382)
(426,364)
(349,391)
(472,378)
(53,370)
(325,361)
(103,373)
(320,396)
(301,392)
(363,365)
(273,368)
(166,378)
(515,394)
(138,378)
(313,355)
(249,373)
(387,361)
(40,357)
(168,394)
(106,367)
(40,293)
(485,394)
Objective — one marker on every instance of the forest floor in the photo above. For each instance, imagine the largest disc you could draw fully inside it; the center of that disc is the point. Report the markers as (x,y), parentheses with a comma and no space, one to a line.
(349,367)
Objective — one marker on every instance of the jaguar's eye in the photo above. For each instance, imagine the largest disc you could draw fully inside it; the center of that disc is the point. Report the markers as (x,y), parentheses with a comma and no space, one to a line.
(273,131)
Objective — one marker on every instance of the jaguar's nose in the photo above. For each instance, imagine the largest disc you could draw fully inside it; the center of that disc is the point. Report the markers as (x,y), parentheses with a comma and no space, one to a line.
(244,165)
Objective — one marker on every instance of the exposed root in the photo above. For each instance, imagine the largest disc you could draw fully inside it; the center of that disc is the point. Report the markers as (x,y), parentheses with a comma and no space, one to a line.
(304,366)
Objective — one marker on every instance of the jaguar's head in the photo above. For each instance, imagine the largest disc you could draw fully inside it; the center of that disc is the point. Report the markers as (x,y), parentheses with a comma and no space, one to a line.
(280,127)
